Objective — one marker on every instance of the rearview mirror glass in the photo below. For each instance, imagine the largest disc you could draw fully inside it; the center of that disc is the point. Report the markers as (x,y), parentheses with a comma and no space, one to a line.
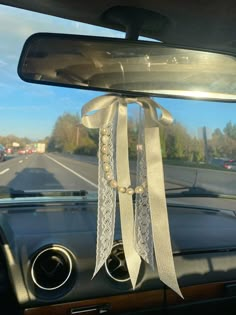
(128,67)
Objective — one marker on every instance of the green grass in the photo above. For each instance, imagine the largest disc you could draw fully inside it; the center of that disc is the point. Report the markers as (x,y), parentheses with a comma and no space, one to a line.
(193,164)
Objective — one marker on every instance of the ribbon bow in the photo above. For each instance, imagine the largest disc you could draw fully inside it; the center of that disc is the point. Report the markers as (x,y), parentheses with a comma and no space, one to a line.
(149,228)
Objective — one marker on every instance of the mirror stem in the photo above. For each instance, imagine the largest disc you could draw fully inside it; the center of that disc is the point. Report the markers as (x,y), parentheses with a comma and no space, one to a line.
(132,31)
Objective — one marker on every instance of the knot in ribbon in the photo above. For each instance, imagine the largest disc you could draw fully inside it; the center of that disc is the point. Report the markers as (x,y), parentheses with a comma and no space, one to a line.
(149,227)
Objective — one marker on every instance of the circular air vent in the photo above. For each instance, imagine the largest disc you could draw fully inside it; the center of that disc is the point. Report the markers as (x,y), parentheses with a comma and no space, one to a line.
(51,268)
(115,264)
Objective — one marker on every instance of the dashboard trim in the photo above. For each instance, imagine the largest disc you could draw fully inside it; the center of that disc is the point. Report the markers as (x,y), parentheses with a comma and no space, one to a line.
(140,300)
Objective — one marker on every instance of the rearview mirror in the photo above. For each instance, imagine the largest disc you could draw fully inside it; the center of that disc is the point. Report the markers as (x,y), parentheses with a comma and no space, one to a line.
(127,67)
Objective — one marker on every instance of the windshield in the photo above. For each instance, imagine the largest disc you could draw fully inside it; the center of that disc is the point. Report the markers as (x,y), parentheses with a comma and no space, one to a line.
(44,146)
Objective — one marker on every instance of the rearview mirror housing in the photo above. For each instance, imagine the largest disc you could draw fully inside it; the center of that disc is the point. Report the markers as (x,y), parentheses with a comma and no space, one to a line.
(127,67)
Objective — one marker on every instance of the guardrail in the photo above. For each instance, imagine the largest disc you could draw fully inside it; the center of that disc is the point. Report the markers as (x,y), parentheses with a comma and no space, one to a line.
(223,182)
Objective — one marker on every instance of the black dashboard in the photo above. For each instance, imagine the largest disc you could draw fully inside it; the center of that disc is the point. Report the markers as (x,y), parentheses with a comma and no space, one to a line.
(49,251)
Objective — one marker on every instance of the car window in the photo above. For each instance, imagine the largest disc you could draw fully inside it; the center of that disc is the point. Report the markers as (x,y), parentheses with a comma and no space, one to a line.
(48,148)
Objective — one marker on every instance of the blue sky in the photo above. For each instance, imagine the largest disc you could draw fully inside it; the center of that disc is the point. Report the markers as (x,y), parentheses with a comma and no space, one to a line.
(31,110)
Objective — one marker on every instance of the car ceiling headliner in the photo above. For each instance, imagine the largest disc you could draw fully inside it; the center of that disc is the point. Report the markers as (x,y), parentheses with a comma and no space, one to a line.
(196,23)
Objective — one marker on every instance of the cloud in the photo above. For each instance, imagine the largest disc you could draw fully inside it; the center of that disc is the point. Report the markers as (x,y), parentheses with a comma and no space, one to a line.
(17,25)
(24,105)
(2,63)
(25,23)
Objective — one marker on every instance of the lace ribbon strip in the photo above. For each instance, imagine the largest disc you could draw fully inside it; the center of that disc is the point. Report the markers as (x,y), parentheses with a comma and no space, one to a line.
(150,227)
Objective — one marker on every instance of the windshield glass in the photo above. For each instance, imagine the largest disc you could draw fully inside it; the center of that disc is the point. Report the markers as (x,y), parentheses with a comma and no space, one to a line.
(44,146)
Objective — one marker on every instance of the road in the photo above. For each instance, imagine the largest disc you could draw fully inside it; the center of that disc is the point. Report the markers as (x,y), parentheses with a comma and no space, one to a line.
(50,171)
(56,171)
(47,171)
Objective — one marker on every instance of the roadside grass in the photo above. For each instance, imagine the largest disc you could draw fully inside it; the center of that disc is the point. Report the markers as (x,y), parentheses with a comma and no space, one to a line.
(194,165)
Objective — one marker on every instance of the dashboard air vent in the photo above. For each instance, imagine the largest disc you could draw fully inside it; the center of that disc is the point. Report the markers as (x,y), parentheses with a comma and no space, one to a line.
(115,264)
(51,268)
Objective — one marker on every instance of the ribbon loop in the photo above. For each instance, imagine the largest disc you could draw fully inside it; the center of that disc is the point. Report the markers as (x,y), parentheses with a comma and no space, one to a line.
(111,110)
(104,111)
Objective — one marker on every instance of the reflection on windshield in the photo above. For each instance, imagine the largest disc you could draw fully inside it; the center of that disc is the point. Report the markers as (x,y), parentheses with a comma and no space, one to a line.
(44,146)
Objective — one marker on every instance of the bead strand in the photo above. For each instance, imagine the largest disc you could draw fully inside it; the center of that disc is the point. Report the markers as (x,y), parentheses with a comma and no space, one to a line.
(108,170)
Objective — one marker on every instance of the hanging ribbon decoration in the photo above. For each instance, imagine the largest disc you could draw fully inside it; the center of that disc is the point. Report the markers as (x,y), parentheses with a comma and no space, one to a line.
(109,114)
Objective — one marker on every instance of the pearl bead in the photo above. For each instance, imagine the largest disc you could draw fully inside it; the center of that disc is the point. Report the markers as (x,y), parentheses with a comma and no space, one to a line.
(108,176)
(106,167)
(139,190)
(105,158)
(113,183)
(130,191)
(105,139)
(104,149)
(144,185)
(105,131)
(122,190)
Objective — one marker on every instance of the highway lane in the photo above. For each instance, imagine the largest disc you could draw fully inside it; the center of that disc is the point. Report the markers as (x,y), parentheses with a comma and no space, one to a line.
(220,181)
(38,171)
(55,171)
(12,162)
(88,168)
(50,171)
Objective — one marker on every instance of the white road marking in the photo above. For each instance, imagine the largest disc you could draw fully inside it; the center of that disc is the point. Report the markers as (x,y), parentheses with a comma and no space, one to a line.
(21,161)
(73,172)
(4,171)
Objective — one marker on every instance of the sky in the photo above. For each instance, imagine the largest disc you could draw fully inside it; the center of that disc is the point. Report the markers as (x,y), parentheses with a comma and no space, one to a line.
(31,110)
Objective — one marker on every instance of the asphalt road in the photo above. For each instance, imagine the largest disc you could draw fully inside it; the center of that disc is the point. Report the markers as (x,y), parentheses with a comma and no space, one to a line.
(50,171)
(44,171)
(56,171)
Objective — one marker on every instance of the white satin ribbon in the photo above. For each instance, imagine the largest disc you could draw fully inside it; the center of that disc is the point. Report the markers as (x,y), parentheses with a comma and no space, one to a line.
(100,113)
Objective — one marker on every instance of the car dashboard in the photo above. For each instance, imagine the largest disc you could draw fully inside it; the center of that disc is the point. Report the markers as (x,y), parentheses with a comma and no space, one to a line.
(48,253)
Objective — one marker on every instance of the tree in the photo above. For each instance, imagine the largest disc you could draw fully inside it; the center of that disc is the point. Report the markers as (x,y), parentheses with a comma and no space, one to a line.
(230,130)
(177,142)
(163,141)
(64,133)
(217,143)
(133,130)
(196,150)
(69,135)
(88,141)
(8,140)
(223,144)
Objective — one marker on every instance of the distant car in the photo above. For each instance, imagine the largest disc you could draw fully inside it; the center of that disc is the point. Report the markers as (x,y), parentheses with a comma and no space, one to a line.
(8,150)
(230,165)
(2,153)
(219,161)
(28,151)
(21,151)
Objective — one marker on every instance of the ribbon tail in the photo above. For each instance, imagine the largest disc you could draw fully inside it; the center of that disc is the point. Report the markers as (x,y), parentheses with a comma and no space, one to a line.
(159,215)
(106,208)
(126,204)
(143,227)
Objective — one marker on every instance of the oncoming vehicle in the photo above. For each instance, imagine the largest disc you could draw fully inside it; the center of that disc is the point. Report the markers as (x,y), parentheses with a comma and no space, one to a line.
(230,165)
(2,153)
(21,151)
(127,208)
(8,150)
